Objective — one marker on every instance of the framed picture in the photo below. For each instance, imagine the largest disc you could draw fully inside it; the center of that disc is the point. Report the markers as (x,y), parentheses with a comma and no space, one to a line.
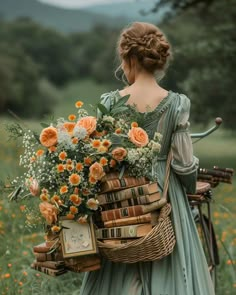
(77,239)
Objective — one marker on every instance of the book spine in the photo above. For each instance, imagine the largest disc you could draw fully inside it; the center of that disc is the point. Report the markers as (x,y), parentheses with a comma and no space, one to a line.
(229,170)
(140,200)
(221,179)
(128,221)
(122,213)
(50,264)
(54,256)
(48,271)
(125,194)
(213,172)
(212,179)
(131,211)
(124,182)
(129,231)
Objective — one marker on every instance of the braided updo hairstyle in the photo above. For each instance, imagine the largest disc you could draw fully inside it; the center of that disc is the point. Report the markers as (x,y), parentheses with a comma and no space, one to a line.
(147,44)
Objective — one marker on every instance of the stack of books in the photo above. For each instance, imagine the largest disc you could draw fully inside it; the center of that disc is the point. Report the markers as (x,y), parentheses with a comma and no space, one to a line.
(83,263)
(129,208)
(48,261)
(215,175)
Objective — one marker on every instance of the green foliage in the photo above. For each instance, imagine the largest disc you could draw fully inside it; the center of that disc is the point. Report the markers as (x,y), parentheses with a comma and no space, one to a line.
(204,60)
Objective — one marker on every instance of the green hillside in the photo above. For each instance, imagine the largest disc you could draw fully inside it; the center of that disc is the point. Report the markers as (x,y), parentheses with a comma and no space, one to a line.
(132,11)
(66,20)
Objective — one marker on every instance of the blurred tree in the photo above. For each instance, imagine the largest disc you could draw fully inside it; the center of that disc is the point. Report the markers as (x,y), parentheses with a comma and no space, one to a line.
(20,87)
(204,43)
(179,5)
(46,47)
(93,53)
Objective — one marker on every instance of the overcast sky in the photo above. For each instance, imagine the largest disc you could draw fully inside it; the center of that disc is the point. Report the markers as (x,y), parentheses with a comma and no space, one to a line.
(81,3)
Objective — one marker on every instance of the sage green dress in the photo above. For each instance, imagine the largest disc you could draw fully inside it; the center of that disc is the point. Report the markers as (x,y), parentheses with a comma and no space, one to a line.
(184,271)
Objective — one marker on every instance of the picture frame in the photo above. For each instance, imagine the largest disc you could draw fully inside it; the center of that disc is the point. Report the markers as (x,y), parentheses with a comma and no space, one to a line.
(77,239)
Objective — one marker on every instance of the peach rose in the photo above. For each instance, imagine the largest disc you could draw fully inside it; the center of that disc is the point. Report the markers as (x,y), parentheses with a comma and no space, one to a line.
(96,171)
(49,212)
(34,187)
(48,136)
(119,153)
(138,136)
(69,126)
(89,123)
(92,204)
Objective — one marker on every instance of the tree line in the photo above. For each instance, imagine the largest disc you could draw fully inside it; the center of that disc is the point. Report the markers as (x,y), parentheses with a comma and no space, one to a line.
(35,62)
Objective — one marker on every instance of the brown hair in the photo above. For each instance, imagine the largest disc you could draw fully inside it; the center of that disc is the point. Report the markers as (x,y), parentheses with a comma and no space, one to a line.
(147,43)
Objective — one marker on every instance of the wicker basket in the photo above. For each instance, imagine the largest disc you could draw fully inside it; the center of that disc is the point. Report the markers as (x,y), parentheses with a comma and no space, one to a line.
(157,244)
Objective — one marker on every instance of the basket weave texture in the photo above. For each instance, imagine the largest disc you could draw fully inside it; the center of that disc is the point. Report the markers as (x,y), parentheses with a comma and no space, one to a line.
(157,244)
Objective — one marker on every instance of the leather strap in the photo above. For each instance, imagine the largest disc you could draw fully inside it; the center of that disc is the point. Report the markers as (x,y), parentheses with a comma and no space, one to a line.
(167,176)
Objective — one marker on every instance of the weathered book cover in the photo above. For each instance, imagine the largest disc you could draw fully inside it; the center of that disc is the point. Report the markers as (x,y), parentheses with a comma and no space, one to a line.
(124,194)
(54,256)
(42,248)
(49,271)
(131,211)
(50,264)
(151,217)
(130,231)
(140,200)
(124,182)
(215,172)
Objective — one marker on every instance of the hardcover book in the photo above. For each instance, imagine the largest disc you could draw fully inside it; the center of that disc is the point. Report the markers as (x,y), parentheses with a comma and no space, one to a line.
(133,192)
(42,248)
(151,217)
(140,200)
(124,182)
(130,231)
(49,271)
(50,264)
(131,211)
(54,256)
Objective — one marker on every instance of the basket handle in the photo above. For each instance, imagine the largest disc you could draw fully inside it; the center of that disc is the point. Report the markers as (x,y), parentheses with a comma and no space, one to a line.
(167,176)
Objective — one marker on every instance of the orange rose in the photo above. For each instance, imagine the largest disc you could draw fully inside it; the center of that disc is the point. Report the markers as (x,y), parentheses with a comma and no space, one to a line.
(74,179)
(96,171)
(49,212)
(89,123)
(48,136)
(119,153)
(138,136)
(69,126)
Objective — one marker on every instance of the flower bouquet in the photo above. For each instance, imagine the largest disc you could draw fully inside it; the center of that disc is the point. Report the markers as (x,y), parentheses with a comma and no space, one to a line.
(67,162)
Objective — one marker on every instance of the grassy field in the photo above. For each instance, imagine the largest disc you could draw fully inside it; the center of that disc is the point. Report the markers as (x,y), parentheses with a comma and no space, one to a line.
(16,240)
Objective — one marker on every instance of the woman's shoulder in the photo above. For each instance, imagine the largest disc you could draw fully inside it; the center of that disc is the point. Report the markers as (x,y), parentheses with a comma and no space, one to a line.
(181,101)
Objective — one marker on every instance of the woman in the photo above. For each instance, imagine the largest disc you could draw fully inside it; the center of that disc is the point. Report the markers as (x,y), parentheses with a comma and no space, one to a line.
(145,52)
